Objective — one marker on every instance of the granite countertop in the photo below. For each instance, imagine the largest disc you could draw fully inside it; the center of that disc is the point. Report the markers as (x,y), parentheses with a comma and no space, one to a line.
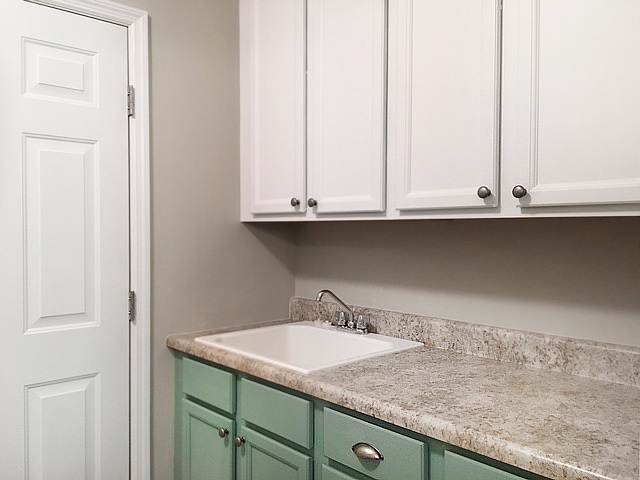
(551,423)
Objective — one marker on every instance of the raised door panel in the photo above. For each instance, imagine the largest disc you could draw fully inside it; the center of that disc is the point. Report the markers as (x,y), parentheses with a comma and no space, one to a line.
(206,455)
(574,101)
(272,74)
(346,105)
(262,458)
(444,64)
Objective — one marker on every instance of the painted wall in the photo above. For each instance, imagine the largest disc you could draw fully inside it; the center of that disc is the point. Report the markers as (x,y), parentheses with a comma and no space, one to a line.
(208,269)
(572,277)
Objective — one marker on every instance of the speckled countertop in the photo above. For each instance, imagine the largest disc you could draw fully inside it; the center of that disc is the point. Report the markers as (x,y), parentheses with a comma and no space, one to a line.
(551,423)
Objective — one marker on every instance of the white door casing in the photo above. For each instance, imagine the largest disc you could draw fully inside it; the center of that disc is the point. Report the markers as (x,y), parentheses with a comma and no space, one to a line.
(43,154)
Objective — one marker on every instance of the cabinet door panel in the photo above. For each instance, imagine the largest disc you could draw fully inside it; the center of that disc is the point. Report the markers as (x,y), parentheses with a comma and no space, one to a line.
(329,473)
(346,105)
(262,458)
(272,73)
(444,63)
(204,454)
(577,100)
(457,467)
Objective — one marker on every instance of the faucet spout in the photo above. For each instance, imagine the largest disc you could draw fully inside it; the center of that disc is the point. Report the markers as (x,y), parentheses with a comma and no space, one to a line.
(336,299)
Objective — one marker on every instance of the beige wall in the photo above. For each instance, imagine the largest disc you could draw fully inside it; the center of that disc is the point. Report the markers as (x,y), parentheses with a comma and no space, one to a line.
(208,269)
(573,277)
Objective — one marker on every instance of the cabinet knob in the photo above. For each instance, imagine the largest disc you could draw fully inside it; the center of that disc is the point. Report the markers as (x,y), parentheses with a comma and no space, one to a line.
(484,192)
(295,202)
(239,441)
(312,202)
(365,451)
(519,191)
(223,432)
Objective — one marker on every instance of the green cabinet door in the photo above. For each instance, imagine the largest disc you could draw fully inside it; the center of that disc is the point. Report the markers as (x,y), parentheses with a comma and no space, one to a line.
(329,473)
(205,454)
(457,467)
(262,458)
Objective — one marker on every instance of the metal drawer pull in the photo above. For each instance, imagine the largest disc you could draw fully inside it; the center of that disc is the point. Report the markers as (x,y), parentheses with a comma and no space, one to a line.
(223,432)
(365,451)
(239,441)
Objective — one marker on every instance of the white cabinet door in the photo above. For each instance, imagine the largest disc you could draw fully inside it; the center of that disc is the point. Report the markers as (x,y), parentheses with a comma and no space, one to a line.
(444,64)
(272,55)
(572,106)
(346,105)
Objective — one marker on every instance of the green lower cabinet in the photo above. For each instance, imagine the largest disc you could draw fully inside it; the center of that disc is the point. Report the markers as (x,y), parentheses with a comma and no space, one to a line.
(263,458)
(205,454)
(283,435)
(457,467)
(329,473)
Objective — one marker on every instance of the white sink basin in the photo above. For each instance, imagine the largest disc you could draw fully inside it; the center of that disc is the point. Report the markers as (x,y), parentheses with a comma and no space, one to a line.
(304,346)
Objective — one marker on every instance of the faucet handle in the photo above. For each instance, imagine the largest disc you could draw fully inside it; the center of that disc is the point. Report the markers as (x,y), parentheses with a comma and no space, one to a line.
(362,323)
(341,318)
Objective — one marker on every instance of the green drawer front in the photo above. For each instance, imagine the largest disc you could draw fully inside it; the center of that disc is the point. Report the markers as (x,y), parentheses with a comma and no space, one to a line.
(209,384)
(457,467)
(278,412)
(404,457)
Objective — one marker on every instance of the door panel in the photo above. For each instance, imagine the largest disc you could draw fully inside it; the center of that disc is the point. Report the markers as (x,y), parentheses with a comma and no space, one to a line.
(205,455)
(64,247)
(273,103)
(444,102)
(346,105)
(574,101)
(262,458)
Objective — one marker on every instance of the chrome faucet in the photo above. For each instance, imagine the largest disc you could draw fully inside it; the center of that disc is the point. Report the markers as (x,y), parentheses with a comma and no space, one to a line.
(346,318)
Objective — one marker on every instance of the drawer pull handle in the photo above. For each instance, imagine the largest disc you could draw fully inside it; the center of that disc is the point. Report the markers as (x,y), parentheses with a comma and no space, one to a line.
(365,451)
(223,432)
(239,441)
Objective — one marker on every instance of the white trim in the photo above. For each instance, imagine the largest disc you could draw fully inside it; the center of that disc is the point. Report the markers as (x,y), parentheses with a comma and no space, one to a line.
(137,22)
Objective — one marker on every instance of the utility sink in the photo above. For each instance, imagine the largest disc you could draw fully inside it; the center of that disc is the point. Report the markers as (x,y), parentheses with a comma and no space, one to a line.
(304,346)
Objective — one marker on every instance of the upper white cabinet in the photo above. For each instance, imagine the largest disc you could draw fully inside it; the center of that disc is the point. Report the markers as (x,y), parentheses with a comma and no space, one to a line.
(346,105)
(313,142)
(387,109)
(572,104)
(272,96)
(444,70)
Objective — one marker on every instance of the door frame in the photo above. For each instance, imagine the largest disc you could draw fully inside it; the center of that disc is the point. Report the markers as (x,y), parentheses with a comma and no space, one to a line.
(137,23)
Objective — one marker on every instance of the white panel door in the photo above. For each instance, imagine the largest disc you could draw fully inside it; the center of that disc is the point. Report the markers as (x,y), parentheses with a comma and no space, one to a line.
(346,105)
(272,43)
(573,101)
(444,64)
(64,275)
